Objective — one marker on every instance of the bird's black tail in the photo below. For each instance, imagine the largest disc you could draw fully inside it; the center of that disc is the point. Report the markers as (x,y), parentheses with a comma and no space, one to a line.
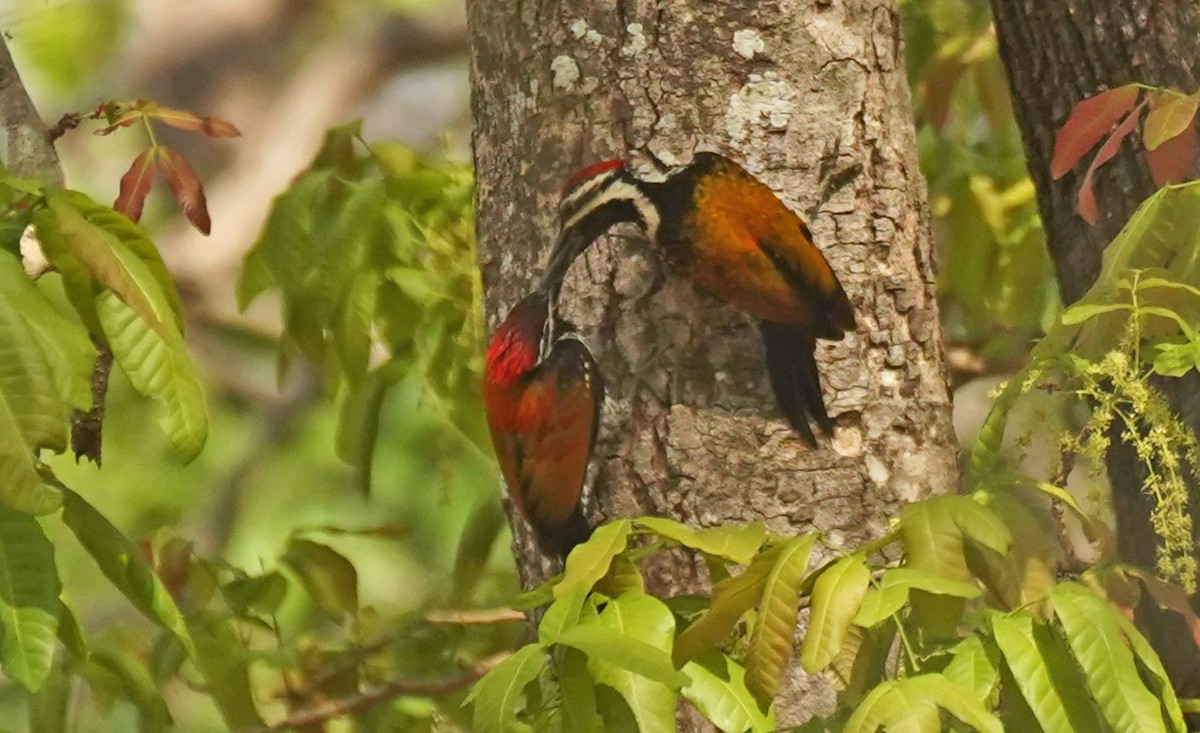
(560,540)
(794,378)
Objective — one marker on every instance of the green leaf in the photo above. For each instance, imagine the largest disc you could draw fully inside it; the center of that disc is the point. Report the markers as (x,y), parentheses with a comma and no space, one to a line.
(257,595)
(1045,674)
(326,574)
(578,694)
(772,641)
(623,653)
(562,615)
(64,343)
(889,707)
(1108,664)
(71,236)
(158,366)
(589,562)
(496,694)
(911,704)
(224,660)
(1081,312)
(731,598)
(642,673)
(736,543)
(1176,359)
(29,590)
(934,532)
(358,425)
(32,416)
(353,334)
(718,690)
(836,599)
(1161,684)
(124,567)
(973,668)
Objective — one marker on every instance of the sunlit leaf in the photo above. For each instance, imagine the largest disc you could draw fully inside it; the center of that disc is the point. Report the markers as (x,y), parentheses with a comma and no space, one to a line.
(736,543)
(124,567)
(1169,118)
(717,688)
(934,532)
(1108,664)
(562,615)
(731,598)
(973,668)
(836,599)
(772,640)
(1090,120)
(158,366)
(589,562)
(185,186)
(1043,670)
(497,693)
(29,590)
(643,675)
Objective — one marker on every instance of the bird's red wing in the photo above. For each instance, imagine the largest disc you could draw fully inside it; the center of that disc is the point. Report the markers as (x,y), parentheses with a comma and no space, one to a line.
(562,405)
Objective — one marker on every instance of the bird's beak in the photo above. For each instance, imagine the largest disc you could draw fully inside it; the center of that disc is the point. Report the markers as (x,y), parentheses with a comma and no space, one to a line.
(570,244)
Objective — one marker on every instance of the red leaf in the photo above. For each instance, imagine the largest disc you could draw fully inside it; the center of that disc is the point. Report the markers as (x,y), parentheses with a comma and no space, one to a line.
(211,126)
(1174,160)
(1168,119)
(186,187)
(1087,197)
(135,184)
(1089,120)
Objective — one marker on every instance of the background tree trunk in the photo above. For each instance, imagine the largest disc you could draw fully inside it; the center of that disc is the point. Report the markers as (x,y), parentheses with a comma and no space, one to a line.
(797,91)
(1056,53)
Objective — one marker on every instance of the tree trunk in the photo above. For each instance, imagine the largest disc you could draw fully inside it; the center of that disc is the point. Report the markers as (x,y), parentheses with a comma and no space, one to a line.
(796,91)
(1056,53)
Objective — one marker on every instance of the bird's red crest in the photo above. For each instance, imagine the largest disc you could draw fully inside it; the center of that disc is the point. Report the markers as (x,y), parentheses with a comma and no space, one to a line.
(592,171)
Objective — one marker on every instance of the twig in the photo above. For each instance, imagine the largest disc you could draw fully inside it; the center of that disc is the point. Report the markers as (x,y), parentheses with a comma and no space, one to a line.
(355,703)
(474,616)
(87,427)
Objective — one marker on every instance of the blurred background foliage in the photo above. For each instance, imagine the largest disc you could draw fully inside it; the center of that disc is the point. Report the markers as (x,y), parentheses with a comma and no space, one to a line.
(995,279)
(270,488)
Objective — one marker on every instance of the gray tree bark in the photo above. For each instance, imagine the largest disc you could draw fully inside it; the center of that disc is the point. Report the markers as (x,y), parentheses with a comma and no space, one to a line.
(1056,53)
(796,91)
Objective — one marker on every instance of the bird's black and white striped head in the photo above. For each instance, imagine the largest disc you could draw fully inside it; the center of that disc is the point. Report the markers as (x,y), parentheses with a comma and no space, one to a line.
(594,199)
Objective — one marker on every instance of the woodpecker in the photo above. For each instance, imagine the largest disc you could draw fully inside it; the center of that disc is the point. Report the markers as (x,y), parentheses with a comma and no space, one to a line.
(543,394)
(728,233)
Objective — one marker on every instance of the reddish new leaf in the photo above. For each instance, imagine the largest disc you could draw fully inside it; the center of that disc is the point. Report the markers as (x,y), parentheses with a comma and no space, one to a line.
(135,184)
(1089,121)
(186,187)
(211,126)
(1174,160)
(1087,197)
(129,118)
(1169,116)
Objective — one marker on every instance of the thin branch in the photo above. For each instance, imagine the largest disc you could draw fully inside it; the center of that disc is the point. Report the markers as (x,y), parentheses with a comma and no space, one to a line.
(86,427)
(471,616)
(364,700)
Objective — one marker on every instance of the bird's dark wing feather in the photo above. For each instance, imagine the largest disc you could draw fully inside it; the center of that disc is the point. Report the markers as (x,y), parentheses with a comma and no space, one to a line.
(794,378)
